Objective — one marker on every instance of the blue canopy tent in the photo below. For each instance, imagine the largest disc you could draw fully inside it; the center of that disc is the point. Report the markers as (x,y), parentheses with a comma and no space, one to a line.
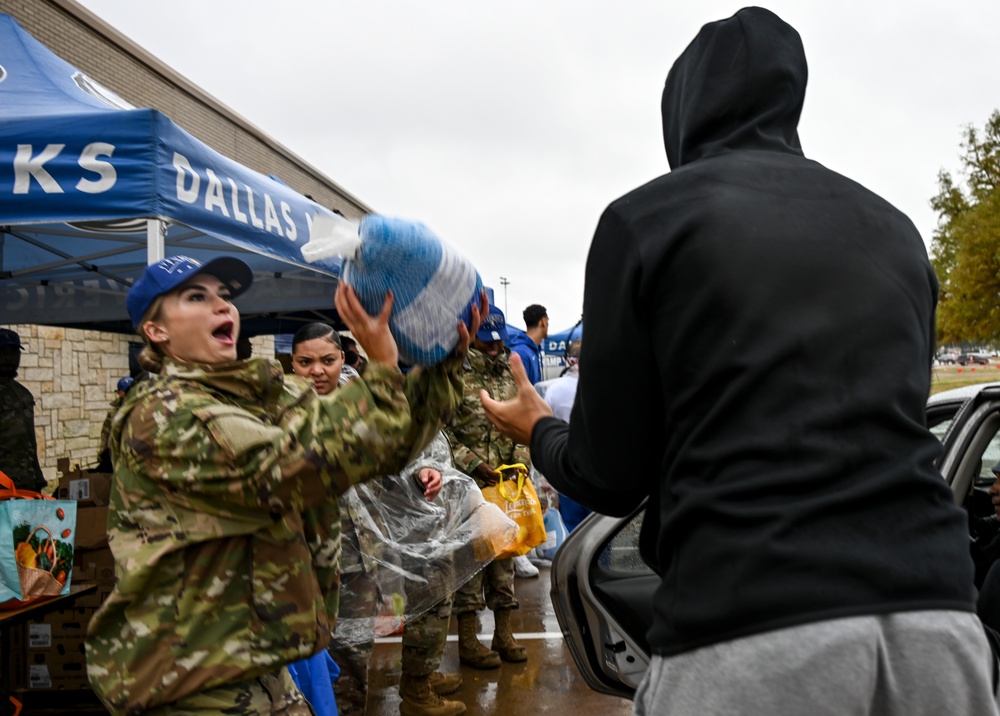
(556,343)
(554,350)
(93,189)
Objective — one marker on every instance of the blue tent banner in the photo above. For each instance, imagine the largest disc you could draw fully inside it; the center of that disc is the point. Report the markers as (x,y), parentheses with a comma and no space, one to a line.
(92,189)
(556,343)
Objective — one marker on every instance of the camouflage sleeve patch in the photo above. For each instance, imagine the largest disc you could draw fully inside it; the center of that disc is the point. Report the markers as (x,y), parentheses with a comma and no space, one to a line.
(237,431)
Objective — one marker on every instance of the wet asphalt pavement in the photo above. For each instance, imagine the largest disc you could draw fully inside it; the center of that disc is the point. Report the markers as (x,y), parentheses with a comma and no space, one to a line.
(548,682)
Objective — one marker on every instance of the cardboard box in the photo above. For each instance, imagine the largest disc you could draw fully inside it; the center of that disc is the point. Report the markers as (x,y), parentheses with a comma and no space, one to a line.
(91,527)
(66,615)
(40,640)
(95,598)
(61,668)
(92,488)
(47,670)
(94,565)
(17,676)
(15,634)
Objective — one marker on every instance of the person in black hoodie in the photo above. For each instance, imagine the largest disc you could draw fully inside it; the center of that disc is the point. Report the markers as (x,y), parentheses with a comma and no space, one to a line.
(780,324)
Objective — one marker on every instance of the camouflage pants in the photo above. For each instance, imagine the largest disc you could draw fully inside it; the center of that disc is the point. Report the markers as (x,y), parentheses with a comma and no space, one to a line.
(358,601)
(492,587)
(424,639)
(270,695)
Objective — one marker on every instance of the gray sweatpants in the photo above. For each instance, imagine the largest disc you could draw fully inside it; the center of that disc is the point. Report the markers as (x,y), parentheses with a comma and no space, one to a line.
(927,663)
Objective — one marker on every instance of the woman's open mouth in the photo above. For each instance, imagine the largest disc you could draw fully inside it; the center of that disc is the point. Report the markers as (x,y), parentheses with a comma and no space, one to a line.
(224,333)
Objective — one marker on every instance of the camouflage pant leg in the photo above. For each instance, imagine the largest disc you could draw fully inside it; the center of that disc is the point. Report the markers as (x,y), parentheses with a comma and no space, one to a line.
(424,639)
(498,583)
(358,605)
(270,695)
(469,597)
(492,587)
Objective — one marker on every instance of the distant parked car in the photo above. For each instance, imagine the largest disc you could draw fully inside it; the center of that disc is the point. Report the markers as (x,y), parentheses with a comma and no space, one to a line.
(948,358)
(974,358)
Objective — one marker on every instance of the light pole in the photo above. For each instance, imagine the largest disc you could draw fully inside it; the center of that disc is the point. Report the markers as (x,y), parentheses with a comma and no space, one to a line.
(504,282)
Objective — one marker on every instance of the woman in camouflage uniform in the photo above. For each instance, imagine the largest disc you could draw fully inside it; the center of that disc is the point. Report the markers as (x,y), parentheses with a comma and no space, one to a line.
(317,355)
(224,519)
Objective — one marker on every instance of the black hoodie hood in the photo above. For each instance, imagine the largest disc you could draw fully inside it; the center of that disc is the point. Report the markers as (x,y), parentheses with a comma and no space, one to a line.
(740,84)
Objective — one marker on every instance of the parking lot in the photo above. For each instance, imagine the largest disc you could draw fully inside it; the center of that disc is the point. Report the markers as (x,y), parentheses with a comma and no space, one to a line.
(548,682)
(952,375)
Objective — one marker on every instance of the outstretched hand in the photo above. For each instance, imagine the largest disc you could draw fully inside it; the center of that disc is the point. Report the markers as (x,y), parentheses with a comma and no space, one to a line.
(516,417)
(371,332)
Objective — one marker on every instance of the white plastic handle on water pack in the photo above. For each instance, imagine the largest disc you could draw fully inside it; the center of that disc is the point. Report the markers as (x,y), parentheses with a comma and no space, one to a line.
(331,236)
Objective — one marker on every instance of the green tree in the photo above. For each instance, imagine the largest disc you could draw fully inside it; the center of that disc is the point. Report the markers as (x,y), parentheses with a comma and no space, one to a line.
(965,250)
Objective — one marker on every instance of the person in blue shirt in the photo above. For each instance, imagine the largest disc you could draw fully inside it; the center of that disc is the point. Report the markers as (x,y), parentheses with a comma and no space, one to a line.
(528,345)
(560,396)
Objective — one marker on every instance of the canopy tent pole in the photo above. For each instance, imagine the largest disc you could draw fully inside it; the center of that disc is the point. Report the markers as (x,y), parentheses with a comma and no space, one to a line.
(154,241)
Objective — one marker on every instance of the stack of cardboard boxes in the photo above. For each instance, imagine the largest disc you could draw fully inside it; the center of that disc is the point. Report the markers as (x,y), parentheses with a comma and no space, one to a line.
(47,653)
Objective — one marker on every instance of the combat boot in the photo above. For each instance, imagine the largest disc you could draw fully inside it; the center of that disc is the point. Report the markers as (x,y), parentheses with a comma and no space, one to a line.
(504,642)
(471,651)
(419,699)
(444,684)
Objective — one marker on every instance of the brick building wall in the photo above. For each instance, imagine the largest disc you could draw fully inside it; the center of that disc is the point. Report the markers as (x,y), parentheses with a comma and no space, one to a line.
(72,373)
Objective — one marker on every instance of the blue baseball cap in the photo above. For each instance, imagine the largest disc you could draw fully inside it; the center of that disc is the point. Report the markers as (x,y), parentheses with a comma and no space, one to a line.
(171,272)
(125,383)
(493,326)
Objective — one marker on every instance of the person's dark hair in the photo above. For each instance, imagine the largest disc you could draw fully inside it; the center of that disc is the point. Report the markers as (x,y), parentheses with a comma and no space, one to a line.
(244,348)
(352,356)
(533,314)
(311,331)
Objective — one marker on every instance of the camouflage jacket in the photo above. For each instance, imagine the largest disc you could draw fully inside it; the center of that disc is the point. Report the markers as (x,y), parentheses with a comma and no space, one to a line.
(224,520)
(473,438)
(18,447)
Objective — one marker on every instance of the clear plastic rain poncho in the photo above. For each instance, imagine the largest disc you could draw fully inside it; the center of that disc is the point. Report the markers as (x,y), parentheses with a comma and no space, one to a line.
(403,553)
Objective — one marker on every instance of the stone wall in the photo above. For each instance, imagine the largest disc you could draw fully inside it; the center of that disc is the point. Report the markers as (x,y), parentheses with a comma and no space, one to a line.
(72,374)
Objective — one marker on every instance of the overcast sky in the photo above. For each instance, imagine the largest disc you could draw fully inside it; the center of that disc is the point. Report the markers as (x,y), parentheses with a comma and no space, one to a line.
(507,127)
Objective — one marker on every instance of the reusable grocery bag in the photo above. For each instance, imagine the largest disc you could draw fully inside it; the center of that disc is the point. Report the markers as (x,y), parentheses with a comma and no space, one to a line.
(517,498)
(433,285)
(37,535)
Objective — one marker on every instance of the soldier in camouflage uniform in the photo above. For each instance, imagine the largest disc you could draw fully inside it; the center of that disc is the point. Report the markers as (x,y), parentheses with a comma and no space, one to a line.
(479,448)
(104,452)
(18,447)
(224,519)
(317,355)
(421,684)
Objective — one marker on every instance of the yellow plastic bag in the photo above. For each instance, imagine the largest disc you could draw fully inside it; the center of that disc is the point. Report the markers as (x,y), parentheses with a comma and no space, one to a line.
(519,501)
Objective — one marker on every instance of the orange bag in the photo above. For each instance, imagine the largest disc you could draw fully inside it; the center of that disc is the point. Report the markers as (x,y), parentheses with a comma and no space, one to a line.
(37,539)
(517,498)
